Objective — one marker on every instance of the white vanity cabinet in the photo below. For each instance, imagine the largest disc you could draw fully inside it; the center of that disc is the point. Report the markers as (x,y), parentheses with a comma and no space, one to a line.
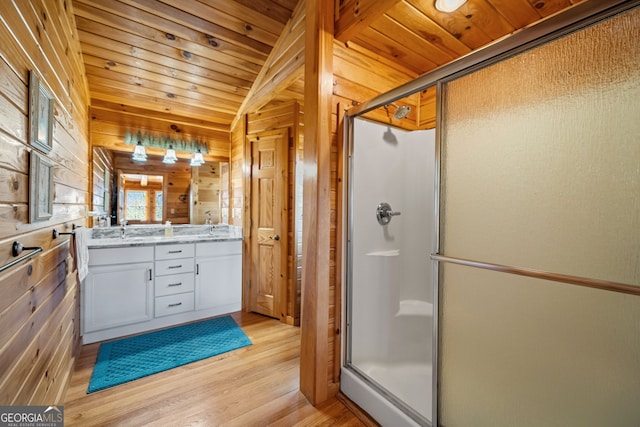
(140,288)
(219,275)
(119,288)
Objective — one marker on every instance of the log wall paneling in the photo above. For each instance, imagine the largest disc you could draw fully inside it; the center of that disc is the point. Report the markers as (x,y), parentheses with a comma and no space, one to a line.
(102,162)
(239,180)
(110,124)
(427,109)
(39,305)
(339,224)
(225,187)
(237,176)
(208,193)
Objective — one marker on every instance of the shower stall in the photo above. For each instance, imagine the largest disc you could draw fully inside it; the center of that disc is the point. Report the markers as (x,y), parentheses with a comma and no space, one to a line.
(388,360)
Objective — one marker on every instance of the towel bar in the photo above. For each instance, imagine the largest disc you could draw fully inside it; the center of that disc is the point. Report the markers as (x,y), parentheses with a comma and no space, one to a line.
(57,233)
(16,249)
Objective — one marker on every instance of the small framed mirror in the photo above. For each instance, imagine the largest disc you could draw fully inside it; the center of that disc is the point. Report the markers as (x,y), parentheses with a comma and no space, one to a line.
(40,187)
(40,115)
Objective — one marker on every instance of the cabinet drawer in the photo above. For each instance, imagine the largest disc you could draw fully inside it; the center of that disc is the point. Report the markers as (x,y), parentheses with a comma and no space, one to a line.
(129,255)
(174,284)
(174,266)
(185,250)
(219,248)
(173,304)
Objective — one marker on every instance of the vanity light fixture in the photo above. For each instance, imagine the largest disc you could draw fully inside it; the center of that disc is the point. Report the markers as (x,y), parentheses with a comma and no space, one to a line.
(449,5)
(139,154)
(170,157)
(197,159)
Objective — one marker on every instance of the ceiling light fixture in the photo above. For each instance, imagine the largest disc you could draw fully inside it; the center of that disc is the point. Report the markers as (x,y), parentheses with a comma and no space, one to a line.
(139,154)
(170,157)
(197,159)
(449,5)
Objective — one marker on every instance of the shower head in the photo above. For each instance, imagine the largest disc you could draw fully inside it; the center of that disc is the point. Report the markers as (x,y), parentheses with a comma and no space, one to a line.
(402,112)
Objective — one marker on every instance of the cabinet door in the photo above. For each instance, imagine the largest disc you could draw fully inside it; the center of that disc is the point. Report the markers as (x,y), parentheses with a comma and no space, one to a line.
(218,281)
(118,295)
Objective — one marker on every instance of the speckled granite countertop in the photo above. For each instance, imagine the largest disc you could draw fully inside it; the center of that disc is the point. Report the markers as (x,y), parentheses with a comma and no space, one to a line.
(140,235)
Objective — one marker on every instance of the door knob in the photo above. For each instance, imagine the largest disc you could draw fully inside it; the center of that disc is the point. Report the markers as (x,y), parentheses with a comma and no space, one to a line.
(275,237)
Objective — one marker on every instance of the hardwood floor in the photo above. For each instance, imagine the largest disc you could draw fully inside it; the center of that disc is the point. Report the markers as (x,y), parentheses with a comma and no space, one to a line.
(252,386)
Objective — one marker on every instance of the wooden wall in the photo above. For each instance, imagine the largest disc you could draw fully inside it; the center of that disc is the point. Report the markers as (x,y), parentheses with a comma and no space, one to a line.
(102,161)
(39,306)
(225,192)
(206,186)
(177,181)
(110,123)
(237,175)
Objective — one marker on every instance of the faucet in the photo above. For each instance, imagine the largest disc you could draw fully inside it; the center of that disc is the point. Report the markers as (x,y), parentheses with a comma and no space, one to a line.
(209,222)
(123,228)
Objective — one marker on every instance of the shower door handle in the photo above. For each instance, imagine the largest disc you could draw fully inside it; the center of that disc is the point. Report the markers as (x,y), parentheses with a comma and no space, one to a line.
(384,213)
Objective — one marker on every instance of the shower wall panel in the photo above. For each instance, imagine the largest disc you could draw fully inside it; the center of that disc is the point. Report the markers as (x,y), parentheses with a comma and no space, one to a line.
(541,169)
(391,275)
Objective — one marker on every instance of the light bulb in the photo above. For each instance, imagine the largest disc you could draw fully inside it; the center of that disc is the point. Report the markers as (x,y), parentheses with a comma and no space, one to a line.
(449,5)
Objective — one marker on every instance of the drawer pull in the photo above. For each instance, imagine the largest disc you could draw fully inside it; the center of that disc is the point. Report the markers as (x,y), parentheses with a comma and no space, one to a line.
(175,284)
(175,305)
(175,266)
(176,252)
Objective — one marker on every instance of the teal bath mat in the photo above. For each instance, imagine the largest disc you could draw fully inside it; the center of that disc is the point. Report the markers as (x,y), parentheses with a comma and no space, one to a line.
(131,358)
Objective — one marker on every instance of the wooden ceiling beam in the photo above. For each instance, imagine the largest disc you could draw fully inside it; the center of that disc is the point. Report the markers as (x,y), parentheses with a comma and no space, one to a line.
(201,24)
(169,94)
(187,74)
(111,123)
(284,65)
(152,103)
(159,31)
(132,74)
(216,155)
(135,114)
(356,15)
(98,34)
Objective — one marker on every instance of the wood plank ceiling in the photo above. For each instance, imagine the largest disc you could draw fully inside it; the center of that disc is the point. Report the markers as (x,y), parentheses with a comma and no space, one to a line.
(185,67)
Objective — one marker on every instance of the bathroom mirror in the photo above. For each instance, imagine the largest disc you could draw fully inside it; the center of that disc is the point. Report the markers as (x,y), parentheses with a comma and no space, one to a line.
(175,192)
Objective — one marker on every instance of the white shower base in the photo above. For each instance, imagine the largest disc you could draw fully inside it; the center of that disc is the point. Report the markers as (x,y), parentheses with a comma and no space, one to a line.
(410,382)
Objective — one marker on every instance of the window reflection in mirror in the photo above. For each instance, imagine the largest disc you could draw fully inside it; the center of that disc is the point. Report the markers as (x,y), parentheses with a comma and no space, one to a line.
(142,198)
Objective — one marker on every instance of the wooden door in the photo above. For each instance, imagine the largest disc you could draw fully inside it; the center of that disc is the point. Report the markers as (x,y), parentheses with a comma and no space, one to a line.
(269,208)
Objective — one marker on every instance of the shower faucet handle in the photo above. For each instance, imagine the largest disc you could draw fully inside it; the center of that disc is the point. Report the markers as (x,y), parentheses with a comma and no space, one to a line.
(384,213)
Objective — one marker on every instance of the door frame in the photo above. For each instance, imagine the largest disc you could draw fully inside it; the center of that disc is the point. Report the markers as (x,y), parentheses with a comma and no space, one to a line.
(280,303)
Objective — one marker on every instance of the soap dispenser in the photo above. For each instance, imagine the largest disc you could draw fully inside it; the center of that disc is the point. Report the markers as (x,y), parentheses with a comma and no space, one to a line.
(168,230)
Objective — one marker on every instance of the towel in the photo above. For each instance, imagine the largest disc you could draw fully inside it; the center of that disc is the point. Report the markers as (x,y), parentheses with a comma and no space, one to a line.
(82,251)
